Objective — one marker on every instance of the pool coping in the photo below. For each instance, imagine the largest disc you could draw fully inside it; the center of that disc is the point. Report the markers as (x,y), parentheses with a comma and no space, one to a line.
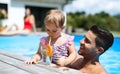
(14,64)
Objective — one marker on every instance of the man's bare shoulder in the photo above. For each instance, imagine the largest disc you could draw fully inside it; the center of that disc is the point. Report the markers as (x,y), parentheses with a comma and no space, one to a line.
(76,64)
(99,69)
(102,71)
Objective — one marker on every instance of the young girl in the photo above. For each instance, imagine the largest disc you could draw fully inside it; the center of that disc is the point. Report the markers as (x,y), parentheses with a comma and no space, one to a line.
(62,44)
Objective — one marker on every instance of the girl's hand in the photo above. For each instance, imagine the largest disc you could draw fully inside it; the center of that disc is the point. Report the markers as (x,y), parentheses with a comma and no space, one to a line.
(31,61)
(61,62)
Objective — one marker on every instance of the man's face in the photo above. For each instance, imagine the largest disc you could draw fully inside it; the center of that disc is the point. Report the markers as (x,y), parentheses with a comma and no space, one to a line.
(88,46)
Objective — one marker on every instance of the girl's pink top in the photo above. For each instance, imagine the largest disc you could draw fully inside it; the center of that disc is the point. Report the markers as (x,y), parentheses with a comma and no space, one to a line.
(59,51)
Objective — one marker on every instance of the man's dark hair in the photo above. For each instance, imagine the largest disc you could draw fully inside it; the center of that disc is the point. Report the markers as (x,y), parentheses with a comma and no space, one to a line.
(104,37)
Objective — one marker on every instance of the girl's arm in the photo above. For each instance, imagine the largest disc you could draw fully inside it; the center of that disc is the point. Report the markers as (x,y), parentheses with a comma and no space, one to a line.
(70,58)
(35,59)
(37,56)
(72,54)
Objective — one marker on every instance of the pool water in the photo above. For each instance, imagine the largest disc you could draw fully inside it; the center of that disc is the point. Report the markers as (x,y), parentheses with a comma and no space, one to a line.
(28,45)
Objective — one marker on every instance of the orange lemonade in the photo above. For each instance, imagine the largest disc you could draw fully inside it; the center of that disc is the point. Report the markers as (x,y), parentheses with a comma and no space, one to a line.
(49,51)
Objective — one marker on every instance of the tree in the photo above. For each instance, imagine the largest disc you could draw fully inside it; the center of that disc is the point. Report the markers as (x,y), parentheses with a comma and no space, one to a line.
(80,20)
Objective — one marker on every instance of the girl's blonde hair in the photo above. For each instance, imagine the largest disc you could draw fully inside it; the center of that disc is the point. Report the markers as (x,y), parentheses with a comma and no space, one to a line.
(55,17)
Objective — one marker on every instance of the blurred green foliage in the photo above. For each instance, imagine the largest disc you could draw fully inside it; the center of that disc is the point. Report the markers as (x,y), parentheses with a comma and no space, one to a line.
(81,20)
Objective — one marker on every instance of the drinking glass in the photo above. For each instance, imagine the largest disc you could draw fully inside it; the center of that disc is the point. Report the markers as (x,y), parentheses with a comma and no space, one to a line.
(46,55)
(43,53)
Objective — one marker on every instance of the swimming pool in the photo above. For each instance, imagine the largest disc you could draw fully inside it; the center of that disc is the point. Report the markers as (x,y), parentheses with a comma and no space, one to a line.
(28,45)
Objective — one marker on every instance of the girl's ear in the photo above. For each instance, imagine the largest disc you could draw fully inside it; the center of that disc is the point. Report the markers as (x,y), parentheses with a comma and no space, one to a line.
(100,50)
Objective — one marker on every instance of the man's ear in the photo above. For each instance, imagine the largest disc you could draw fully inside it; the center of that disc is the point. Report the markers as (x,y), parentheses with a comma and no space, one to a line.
(100,50)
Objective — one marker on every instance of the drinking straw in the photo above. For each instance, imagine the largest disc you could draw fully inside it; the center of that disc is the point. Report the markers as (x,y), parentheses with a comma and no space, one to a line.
(49,50)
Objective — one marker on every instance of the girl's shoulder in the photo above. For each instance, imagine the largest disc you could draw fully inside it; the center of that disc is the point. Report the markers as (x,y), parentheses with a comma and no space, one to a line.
(67,36)
(67,39)
(44,40)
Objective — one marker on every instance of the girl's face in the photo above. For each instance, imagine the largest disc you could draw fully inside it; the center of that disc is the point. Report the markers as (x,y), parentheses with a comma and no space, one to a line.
(53,31)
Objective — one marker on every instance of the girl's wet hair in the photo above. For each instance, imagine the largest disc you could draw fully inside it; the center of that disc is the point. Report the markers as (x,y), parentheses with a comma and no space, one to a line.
(55,17)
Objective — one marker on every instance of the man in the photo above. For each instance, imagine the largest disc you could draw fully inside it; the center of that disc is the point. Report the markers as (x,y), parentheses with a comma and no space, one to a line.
(95,42)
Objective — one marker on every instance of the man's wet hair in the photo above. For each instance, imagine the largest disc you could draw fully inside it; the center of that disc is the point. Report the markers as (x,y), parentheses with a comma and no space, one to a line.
(104,37)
